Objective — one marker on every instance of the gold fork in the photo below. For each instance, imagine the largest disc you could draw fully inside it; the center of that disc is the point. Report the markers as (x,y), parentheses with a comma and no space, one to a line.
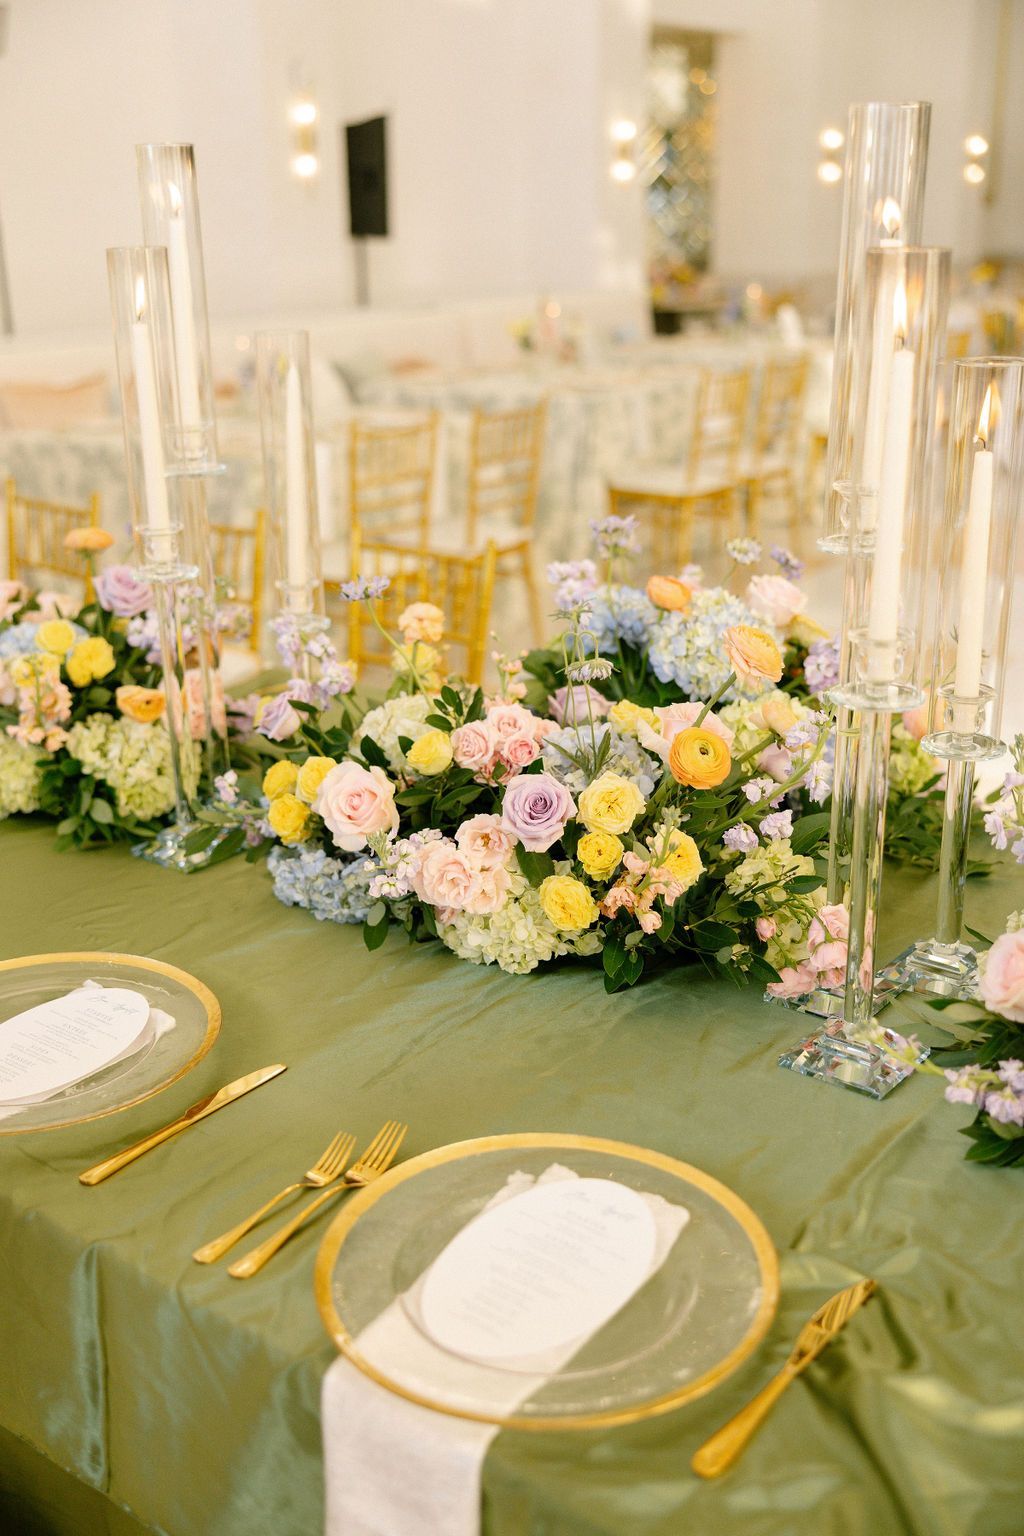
(371,1163)
(325,1170)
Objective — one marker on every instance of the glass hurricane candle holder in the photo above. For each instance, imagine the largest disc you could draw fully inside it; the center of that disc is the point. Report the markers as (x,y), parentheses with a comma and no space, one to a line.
(971,569)
(289,469)
(883,200)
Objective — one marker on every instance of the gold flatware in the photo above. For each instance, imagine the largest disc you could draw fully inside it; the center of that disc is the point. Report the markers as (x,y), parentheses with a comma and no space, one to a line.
(199,1111)
(325,1170)
(718,1454)
(371,1163)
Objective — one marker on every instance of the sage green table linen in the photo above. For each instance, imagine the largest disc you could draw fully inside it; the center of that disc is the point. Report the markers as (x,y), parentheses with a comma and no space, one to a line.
(190,1400)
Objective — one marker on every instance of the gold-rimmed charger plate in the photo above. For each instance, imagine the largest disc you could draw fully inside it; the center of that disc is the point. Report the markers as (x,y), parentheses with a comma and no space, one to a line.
(693,1323)
(33,979)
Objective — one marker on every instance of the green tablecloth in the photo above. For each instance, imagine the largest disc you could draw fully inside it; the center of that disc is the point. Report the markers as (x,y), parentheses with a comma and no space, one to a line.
(191,1400)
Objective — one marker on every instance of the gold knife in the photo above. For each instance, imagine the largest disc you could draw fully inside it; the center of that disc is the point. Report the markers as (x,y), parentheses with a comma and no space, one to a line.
(199,1111)
(718,1454)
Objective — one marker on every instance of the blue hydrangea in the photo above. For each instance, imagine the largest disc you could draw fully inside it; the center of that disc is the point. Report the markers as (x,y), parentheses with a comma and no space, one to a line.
(620,613)
(20,639)
(686,648)
(334,890)
(625,756)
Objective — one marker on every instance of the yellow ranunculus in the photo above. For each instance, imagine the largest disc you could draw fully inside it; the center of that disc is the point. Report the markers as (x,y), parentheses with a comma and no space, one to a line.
(89,661)
(699,758)
(55,636)
(280,779)
(142,704)
(600,853)
(567,903)
(289,818)
(625,716)
(611,804)
(430,753)
(310,776)
(683,861)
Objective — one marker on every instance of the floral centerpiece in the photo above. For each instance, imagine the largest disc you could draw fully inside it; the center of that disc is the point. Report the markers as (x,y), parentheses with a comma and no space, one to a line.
(82,734)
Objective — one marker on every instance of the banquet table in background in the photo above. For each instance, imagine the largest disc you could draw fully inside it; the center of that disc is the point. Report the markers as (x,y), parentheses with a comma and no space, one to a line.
(141,1392)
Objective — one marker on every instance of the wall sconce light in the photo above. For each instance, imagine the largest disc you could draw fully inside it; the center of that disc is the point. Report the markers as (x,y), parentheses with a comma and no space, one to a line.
(303,116)
(975,146)
(830,169)
(623,135)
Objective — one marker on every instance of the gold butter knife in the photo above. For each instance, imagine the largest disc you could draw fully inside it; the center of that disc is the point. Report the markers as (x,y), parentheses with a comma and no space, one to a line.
(718,1454)
(199,1111)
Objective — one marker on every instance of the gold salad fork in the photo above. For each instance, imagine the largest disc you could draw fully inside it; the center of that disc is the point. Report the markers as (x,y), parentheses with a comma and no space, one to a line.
(328,1166)
(371,1163)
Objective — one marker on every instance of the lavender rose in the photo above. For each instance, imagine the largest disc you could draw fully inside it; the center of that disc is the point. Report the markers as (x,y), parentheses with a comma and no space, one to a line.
(277,720)
(120,590)
(535,810)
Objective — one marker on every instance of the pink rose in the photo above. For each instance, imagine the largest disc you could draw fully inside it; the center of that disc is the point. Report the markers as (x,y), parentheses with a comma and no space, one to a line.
(794,981)
(766,928)
(485,839)
(1002,977)
(195,704)
(916,721)
(826,942)
(475,746)
(56,605)
(775,599)
(512,720)
(449,877)
(776,762)
(356,802)
(519,750)
(535,809)
(11,598)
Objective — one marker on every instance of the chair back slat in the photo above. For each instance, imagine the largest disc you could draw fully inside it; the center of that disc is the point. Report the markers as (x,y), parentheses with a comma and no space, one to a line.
(238,556)
(36,531)
(391,477)
(720,423)
(504,467)
(780,407)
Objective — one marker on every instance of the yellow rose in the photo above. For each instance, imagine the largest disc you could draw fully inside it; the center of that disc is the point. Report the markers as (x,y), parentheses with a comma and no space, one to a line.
(778,713)
(683,861)
(89,661)
(753,654)
(142,704)
(610,804)
(699,758)
(625,716)
(430,753)
(309,777)
(600,853)
(88,541)
(55,636)
(289,818)
(567,903)
(280,779)
(669,593)
(805,631)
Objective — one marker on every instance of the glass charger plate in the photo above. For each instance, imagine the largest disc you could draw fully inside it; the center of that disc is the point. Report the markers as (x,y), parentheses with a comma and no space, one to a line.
(35,979)
(693,1323)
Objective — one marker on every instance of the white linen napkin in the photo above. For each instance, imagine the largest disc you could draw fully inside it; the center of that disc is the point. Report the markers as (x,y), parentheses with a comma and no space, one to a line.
(393,1468)
(156,1025)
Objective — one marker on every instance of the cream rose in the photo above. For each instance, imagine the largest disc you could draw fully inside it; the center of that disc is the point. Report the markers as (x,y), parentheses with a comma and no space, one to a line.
(356,802)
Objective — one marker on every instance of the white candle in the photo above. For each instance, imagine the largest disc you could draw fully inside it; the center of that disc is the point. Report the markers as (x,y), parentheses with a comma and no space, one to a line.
(186,346)
(886,567)
(157,507)
(878,378)
(296,512)
(974,572)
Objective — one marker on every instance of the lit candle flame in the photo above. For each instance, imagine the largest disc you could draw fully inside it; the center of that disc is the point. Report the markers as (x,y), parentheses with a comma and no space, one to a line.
(175,199)
(989,416)
(899,313)
(140,298)
(892,217)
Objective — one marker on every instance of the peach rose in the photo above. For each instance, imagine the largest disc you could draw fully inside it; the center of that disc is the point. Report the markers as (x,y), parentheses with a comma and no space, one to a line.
(484,838)
(669,593)
(518,750)
(56,605)
(475,746)
(448,876)
(512,720)
(775,599)
(421,621)
(753,654)
(1002,977)
(356,802)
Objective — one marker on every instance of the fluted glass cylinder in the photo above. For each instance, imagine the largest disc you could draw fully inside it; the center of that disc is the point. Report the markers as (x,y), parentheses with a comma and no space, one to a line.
(883,199)
(289,468)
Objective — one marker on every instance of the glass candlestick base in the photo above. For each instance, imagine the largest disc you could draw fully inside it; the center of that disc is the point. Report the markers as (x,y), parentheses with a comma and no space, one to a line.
(943,970)
(833,1056)
(169,848)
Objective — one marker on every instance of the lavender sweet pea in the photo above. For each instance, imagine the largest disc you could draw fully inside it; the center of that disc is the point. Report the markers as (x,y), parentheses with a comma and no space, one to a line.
(121,591)
(535,810)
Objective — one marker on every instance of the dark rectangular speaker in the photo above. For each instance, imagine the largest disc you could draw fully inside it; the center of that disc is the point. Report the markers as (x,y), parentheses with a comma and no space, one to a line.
(366,144)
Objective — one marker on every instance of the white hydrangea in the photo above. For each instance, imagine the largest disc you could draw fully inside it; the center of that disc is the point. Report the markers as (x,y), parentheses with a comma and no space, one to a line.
(517,938)
(403,716)
(134,759)
(20,770)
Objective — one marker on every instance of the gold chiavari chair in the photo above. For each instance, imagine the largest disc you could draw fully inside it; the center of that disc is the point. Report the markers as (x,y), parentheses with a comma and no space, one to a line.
(666,501)
(958,343)
(817,448)
(462,586)
(238,556)
(505,450)
(391,478)
(36,531)
(768,471)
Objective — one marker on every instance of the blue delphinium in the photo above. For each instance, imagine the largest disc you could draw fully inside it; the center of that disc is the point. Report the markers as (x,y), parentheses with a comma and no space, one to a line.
(334,890)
